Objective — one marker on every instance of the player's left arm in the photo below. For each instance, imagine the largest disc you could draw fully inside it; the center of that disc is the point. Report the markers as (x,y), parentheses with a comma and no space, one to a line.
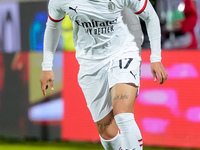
(157,69)
(145,10)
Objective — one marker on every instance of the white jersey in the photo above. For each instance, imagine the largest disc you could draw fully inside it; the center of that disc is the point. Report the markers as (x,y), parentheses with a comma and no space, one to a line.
(104,29)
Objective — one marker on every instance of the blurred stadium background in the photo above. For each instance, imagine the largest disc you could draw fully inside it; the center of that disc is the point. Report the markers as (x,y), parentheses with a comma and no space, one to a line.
(168,115)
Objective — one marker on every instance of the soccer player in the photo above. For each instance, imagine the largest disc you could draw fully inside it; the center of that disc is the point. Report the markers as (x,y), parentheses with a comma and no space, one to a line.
(108,46)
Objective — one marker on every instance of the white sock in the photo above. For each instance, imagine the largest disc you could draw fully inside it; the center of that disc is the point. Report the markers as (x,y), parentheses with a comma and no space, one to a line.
(131,138)
(113,144)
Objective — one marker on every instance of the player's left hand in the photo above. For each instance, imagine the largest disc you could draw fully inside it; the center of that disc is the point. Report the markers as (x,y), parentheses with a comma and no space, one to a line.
(157,69)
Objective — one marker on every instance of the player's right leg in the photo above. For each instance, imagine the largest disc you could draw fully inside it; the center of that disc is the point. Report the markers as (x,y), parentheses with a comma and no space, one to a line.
(107,127)
(96,91)
(109,133)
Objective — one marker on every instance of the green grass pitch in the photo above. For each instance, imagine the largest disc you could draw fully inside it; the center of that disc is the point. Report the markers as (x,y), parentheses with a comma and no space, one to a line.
(60,145)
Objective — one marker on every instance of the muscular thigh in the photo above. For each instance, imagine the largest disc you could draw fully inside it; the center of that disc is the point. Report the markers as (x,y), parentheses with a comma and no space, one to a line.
(124,81)
(123,97)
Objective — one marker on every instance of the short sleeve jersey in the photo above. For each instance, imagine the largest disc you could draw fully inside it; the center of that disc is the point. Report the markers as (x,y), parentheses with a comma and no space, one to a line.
(99,30)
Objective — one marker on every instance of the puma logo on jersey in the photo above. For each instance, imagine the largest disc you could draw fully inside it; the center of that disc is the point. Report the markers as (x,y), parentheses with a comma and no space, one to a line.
(74,9)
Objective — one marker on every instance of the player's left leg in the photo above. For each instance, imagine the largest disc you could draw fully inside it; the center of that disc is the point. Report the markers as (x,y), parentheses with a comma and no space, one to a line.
(123,98)
(124,82)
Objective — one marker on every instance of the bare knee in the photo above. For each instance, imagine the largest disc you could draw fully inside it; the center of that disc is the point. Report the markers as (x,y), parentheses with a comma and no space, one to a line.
(107,127)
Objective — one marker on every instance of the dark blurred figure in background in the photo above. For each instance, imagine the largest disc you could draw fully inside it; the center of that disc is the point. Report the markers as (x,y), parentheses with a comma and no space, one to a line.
(178,30)
(197,28)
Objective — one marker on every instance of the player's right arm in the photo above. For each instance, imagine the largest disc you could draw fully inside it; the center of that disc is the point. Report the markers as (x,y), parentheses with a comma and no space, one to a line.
(51,38)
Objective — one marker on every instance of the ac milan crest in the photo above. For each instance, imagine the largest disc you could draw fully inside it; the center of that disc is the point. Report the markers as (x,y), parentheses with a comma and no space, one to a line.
(111,6)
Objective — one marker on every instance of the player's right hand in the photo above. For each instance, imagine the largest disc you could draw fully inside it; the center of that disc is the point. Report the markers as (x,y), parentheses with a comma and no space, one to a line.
(46,77)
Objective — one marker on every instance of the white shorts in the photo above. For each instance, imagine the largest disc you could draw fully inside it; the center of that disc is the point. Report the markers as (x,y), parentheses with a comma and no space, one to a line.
(95,86)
